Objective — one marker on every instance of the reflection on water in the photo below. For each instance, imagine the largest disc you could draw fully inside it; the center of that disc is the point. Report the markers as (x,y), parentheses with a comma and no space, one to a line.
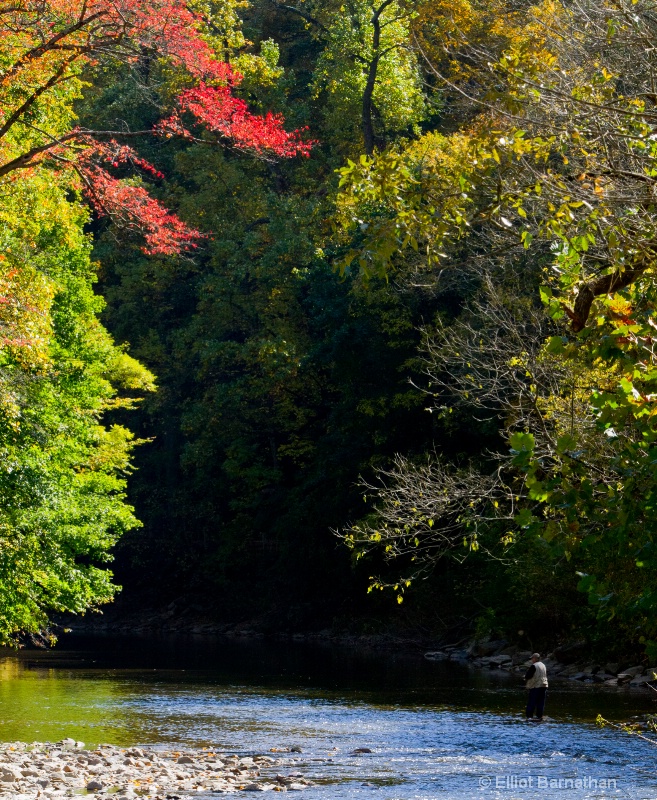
(436,730)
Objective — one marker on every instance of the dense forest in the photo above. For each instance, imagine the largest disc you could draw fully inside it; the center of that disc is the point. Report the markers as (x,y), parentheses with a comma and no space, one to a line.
(331,313)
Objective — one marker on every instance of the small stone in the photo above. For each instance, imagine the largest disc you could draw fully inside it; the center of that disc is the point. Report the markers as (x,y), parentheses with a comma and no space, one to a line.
(295,787)
(360,750)
(185,760)
(43,782)
(253,787)
(295,749)
(94,786)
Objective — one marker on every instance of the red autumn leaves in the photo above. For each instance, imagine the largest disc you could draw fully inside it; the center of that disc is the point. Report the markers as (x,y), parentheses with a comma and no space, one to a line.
(218,111)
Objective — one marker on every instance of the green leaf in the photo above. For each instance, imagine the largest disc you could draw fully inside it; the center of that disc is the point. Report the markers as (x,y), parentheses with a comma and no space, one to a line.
(521,442)
(555,345)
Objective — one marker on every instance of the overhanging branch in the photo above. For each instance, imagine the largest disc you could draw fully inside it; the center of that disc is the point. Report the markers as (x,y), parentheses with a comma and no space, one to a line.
(605,284)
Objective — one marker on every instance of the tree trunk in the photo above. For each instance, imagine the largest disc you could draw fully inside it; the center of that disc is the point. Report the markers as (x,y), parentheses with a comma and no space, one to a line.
(368,106)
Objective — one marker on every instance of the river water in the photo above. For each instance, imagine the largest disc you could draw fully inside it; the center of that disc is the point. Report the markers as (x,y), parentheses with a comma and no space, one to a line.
(437,731)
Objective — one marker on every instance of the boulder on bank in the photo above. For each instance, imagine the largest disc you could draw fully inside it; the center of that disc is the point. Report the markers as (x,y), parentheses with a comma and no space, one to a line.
(640,680)
(499,660)
(486,647)
(632,671)
(436,655)
(572,652)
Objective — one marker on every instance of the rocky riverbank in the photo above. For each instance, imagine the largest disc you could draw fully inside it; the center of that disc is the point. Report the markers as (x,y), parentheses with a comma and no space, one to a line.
(66,769)
(565,663)
(570,661)
(183,620)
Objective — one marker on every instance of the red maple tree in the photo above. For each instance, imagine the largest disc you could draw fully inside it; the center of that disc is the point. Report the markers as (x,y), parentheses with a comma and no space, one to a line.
(46,43)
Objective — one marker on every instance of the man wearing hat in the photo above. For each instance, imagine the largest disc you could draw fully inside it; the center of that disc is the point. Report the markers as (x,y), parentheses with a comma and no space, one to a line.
(536,682)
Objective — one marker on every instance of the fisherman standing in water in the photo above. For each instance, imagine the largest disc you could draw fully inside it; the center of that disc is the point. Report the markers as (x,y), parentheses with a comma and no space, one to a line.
(536,682)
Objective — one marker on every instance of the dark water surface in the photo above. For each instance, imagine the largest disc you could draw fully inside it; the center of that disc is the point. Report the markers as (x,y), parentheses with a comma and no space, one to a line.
(436,730)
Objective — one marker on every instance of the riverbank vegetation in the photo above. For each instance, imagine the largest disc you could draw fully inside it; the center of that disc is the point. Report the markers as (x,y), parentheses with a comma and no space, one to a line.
(391,265)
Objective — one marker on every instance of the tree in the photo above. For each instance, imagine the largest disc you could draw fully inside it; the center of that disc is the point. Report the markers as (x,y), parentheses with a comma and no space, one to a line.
(65,458)
(63,472)
(45,48)
(368,70)
(555,161)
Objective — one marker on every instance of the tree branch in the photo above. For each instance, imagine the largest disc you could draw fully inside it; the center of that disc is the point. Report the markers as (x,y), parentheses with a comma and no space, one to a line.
(605,284)
(303,14)
(52,44)
(52,81)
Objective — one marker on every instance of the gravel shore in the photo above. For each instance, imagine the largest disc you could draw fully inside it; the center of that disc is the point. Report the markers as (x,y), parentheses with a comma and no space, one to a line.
(66,769)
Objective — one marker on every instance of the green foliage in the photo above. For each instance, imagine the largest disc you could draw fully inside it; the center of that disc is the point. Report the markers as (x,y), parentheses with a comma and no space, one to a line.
(502,263)
(63,472)
(341,71)
(278,382)
(580,470)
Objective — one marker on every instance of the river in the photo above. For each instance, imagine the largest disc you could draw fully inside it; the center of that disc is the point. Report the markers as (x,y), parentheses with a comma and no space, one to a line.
(437,731)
